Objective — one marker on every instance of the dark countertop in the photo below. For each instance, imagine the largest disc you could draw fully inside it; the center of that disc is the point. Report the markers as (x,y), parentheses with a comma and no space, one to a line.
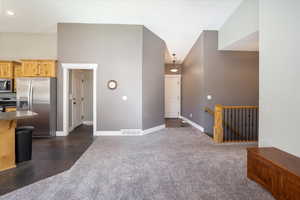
(17,115)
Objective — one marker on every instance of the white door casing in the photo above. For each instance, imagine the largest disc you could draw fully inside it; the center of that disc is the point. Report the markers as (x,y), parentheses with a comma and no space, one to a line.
(66,67)
(172,96)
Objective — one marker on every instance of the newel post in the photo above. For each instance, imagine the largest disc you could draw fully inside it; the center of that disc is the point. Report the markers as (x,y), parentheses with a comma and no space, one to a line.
(218,126)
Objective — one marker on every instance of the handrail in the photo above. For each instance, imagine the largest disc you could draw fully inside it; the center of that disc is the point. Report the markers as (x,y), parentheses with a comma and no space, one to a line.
(210,111)
(238,107)
(234,123)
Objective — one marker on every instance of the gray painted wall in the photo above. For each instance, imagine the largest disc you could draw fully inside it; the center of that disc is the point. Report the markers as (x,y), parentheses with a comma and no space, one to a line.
(231,78)
(153,80)
(279,75)
(192,84)
(15,46)
(117,49)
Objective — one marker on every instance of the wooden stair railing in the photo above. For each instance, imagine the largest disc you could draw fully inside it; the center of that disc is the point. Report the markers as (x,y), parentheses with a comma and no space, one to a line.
(211,112)
(235,123)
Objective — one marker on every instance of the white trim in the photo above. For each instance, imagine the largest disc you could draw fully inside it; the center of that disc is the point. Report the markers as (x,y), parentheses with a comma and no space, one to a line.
(60,133)
(173,75)
(194,124)
(66,67)
(108,133)
(154,129)
(131,132)
(88,123)
(121,132)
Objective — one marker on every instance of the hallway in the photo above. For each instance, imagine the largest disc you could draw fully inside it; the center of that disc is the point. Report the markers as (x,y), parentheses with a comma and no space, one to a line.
(174,163)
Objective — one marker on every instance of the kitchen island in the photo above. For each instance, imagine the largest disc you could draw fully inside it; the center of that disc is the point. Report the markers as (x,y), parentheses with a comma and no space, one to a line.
(8,121)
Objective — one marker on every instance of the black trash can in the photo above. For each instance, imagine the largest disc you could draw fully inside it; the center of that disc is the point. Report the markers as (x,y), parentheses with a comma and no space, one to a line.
(23,144)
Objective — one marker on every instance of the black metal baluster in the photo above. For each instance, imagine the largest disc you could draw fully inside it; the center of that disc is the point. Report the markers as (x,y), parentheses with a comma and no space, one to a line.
(244,124)
(223,124)
(234,128)
(225,127)
(230,124)
(239,125)
(250,124)
(257,124)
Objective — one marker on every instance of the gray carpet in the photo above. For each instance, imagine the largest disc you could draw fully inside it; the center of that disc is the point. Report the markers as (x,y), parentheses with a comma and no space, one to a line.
(181,164)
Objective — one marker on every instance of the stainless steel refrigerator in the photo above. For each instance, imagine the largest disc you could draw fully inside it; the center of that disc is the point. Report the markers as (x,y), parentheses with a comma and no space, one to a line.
(38,95)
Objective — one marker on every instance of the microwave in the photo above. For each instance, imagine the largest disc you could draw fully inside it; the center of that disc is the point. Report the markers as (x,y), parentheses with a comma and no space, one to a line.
(6,85)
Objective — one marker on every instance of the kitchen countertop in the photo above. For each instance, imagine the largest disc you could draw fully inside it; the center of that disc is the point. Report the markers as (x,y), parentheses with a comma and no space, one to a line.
(17,115)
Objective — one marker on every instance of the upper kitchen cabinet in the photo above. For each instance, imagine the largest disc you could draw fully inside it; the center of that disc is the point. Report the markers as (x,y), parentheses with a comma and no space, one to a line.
(7,69)
(39,68)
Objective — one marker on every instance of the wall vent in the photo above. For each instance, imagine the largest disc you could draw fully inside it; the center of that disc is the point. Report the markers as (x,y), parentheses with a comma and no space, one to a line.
(131,131)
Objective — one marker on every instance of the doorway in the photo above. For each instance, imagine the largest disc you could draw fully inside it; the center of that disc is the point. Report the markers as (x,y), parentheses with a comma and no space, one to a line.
(81,101)
(172,96)
(76,104)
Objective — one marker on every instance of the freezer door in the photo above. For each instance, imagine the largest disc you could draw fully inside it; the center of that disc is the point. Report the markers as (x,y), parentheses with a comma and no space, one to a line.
(41,105)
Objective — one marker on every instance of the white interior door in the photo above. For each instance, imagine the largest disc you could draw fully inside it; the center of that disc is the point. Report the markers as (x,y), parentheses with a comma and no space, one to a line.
(76,98)
(172,96)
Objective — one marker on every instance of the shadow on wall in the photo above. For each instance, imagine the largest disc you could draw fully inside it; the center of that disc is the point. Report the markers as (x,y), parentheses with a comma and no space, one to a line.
(228,77)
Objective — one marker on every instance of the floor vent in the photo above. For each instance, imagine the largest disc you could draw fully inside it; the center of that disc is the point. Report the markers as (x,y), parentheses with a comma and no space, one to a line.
(131,131)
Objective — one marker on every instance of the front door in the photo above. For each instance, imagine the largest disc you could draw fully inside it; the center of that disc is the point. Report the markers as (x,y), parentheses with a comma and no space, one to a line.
(172,96)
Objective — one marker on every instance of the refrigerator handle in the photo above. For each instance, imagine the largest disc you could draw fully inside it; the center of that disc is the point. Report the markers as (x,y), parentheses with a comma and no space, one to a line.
(30,96)
(31,100)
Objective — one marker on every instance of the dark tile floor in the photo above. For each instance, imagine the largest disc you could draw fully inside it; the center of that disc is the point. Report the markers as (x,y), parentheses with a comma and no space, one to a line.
(49,157)
(175,123)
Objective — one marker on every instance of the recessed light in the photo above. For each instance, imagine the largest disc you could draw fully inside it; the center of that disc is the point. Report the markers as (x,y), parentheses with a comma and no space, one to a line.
(10,13)
(174,70)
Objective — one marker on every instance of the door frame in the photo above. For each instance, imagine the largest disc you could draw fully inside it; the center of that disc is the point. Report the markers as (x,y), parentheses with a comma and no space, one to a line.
(66,77)
(179,77)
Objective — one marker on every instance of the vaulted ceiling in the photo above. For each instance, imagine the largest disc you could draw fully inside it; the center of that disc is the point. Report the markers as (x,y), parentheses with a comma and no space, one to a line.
(178,22)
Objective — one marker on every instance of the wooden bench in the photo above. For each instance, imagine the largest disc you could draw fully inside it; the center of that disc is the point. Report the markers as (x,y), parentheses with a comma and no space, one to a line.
(275,170)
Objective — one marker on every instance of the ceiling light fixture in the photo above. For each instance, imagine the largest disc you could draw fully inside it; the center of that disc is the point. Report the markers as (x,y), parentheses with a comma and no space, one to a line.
(174,69)
(4,10)
(10,13)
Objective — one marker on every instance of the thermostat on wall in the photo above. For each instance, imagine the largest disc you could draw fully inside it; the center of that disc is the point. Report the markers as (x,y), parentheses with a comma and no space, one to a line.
(112,84)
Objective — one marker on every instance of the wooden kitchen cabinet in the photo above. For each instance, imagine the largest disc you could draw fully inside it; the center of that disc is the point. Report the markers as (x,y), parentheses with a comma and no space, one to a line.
(39,68)
(7,69)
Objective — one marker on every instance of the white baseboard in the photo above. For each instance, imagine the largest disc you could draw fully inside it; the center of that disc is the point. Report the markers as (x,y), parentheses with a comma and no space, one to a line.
(154,129)
(88,123)
(108,133)
(194,124)
(61,134)
(135,132)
